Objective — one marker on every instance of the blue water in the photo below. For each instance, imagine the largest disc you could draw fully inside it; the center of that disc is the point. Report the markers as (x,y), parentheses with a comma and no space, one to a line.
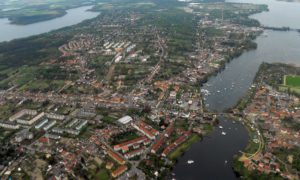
(74,16)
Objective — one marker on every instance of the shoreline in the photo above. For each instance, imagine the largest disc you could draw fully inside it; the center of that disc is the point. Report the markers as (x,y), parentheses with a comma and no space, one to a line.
(214,74)
(254,148)
(24,20)
(55,25)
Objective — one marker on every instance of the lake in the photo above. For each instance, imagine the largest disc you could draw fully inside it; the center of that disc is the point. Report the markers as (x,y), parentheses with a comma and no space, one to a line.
(281,13)
(228,86)
(74,16)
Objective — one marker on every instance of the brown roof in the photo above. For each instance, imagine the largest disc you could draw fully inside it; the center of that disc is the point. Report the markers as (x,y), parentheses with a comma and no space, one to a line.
(119,171)
(131,142)
(116,157)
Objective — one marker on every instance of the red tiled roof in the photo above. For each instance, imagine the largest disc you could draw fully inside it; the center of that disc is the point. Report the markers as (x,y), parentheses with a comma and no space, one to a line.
(116,157)
(43,140)
(147,129)
(131,142)
(119,171)
(158,143)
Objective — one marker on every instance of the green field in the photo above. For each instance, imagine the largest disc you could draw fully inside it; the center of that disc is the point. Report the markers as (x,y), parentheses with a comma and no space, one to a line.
(184,146)
(291,83)
(291,80)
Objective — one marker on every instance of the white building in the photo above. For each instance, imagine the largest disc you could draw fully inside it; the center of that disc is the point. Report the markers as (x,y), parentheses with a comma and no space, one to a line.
(31,121)
(125,120)
(22,135)
(9,125)
(42,123)
(81,125)
(22,113)
(50,125)
(72,123)
(55,116)
(52,136)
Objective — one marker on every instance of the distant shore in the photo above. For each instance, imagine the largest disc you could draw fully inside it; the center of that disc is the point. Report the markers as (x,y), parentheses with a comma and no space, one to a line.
(298,1)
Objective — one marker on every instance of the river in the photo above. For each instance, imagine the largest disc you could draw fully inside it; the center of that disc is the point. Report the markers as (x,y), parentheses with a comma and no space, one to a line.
(74,16)
(232,84)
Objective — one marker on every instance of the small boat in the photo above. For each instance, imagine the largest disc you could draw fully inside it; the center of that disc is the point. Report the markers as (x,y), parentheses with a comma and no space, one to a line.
(190,161)
(225,161)
(221,127)
(223,133)
(265,34)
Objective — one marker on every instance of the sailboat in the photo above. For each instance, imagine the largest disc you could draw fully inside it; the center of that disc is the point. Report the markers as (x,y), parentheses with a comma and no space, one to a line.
(190,161)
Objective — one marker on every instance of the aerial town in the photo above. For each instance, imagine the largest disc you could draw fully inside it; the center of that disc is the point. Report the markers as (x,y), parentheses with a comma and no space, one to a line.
(272,117)
(120,98)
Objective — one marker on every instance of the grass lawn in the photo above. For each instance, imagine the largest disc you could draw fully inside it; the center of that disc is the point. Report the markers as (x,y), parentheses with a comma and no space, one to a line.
(43,85)
(184,146)
(252,147)
(109,119)
(126,136)
(102,175)
(290,88)
(291,83)
(290,80)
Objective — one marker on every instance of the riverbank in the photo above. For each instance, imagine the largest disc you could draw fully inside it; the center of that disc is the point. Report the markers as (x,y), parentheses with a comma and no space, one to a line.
(264,155)
(248,46)
(291,1)
(238,77)
(25,13)
(184,147)
(74,16)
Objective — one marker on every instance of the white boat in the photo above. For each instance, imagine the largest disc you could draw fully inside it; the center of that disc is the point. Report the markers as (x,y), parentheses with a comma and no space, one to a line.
(190,161)
(205,92)
(265,34)
(221,127)
(225,161)
(223,133)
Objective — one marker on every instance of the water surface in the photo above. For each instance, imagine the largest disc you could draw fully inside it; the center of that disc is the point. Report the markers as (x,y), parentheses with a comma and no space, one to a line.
(213,156)
(232,84)
(74,16)
(281,13)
